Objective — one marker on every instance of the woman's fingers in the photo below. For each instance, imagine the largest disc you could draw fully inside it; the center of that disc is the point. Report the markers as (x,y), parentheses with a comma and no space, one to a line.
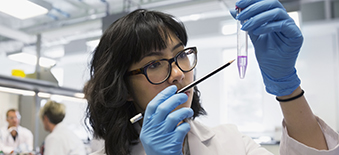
(174,118)
(157,100)
(267,17)
(262,19)
(168,106)
(252,8)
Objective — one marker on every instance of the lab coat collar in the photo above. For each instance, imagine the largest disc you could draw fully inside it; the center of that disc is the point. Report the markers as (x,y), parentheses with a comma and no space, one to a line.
(202,132)
(59,126)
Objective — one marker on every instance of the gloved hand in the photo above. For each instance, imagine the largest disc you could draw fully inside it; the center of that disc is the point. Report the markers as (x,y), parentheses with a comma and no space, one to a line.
(276,40)
(160,134)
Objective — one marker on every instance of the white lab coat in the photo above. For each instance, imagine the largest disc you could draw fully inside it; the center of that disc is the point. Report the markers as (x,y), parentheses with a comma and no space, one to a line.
(62,141)
(226,139)
(23,142)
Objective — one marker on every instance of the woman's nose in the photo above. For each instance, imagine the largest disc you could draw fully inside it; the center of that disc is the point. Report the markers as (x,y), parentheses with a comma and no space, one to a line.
(176,74)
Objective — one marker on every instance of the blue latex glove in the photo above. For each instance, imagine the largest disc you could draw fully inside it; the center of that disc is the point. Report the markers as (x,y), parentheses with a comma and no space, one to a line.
(276,40)
(160,134)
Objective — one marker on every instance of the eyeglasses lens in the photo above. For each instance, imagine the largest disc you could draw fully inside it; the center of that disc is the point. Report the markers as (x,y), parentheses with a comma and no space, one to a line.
(159,70)
(186,60)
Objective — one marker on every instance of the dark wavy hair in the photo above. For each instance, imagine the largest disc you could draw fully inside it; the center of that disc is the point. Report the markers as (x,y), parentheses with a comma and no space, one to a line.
(125,42)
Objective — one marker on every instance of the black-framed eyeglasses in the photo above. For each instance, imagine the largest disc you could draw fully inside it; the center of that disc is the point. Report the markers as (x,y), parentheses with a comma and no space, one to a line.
(159,71)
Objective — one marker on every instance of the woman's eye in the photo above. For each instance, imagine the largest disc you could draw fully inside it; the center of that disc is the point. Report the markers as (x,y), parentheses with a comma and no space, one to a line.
(155,65)
(182,55)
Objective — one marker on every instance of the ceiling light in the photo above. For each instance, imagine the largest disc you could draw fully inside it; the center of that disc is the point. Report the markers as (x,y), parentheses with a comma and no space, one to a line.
(192,17)
(44,95)
(31,59)
(79,95)
(61,98)
(21,9)
(195,17)
(17,91)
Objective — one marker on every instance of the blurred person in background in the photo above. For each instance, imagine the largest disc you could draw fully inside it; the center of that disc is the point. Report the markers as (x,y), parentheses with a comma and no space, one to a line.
(61,140)
(15,138)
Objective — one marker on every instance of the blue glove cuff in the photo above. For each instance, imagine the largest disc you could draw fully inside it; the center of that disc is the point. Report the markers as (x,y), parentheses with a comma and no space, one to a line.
(282,86)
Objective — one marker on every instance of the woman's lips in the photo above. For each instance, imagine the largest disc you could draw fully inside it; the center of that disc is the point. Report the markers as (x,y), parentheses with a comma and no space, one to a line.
(187,93)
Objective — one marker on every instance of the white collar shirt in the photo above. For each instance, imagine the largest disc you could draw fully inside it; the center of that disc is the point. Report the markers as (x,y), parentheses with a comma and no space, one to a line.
(23,142)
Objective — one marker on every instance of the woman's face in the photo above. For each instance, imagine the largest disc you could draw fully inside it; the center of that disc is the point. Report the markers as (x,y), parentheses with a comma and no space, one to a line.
(141,91)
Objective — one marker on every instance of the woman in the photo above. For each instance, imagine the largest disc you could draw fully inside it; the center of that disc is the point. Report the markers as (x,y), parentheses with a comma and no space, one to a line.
(141,62)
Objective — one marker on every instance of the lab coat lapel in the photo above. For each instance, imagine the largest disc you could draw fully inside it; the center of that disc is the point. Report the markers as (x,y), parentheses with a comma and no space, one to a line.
(198,138)
(9,139)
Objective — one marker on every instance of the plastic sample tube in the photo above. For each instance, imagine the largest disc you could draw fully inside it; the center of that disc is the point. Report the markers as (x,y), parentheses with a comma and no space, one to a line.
(241,48)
